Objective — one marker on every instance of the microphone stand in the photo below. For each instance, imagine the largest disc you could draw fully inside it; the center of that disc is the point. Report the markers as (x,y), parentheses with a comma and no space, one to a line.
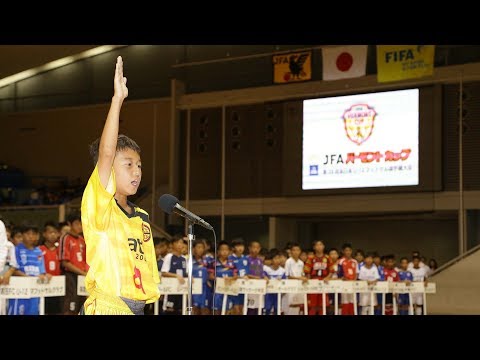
(191,238)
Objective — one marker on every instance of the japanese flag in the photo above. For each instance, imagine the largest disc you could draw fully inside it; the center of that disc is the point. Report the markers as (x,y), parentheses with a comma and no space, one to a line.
(344,62)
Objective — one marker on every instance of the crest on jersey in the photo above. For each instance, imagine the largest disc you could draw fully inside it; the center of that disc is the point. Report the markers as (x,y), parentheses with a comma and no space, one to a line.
(23,258)
(147,234)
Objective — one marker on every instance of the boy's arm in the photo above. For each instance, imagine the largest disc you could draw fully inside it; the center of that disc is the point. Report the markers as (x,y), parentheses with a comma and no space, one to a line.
(5,278)
(108,142)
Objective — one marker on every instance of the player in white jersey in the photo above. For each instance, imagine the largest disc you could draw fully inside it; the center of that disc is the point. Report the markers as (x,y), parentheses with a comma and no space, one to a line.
(419,274)
(369,273)
(8,262)
(294,270)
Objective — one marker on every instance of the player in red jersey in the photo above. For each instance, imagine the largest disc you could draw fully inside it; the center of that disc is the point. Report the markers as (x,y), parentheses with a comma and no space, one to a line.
(51,257)
(319,266)
(390,274)
(347,270)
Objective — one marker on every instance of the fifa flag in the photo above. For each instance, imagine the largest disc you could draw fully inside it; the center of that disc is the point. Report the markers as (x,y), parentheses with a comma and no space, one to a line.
(344,62)
(400,62)
(292,67)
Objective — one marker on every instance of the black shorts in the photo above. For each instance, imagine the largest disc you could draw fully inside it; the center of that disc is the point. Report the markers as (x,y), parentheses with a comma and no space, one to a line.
(72,302)
(53,305)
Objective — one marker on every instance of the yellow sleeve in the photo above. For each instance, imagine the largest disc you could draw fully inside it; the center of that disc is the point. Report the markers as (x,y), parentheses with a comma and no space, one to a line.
(97,201)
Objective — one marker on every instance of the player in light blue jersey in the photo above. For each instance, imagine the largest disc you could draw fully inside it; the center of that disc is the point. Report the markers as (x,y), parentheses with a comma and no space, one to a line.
(274,271)
(241,264)
(200,273)
(224,268)
(30,263)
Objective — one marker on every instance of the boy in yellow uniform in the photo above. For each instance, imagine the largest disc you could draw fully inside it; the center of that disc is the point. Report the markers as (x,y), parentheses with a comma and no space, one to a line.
(123,274)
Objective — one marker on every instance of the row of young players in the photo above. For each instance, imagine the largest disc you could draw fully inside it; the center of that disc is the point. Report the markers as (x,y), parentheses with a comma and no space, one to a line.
(231,264)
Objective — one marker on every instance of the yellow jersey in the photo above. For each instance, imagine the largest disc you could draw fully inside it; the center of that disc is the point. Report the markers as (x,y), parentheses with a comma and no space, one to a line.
(120,250)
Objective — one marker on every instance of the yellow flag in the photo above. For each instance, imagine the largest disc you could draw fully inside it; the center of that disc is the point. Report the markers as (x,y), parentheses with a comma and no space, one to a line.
(292,67)
(400,62)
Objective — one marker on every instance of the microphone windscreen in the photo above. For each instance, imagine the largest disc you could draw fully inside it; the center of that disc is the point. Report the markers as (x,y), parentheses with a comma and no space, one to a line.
(167,202)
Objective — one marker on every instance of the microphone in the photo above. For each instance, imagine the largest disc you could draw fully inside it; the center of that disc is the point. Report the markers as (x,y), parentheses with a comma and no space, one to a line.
(169,203)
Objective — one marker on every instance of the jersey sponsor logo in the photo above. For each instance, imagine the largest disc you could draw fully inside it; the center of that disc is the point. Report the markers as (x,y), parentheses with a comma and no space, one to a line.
(147,234)
(136,247)
(137,279)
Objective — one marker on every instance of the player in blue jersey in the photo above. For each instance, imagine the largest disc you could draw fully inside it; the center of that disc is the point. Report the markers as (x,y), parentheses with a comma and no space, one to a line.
(174,265)
(209,257)
(406,276)
(241,264)
(200,273)
(30,263)
(224,269)
(274,271)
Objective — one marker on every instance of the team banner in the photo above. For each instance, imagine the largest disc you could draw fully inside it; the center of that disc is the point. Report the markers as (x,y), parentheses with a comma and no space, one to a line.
(252,286)
(221,287)
(81,290)
(26,287)
(400,62)
(171,286)
(21,286)
(292,67)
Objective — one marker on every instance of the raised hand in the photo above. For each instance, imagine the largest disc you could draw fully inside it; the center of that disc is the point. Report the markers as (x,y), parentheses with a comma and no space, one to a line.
(120,82)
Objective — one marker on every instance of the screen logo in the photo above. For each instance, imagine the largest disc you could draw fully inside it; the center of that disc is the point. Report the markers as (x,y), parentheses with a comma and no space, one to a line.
(359,120)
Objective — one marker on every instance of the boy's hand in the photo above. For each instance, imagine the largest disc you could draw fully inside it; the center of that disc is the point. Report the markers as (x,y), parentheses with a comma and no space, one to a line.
(49,277)
(5,279)
(181,280)
(120,82)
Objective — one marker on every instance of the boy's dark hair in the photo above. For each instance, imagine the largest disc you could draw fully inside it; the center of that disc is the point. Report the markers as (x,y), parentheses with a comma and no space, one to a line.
(370,254)
(283,253)
(62,224)
(389,257)
(223,242)
(359,251)
(254,241)
(317,241)
(404,258)
(289,245)
(416,257)
(51,224)
(157,240)
(264,252)
(333,249)
(123,142)
(176,238)
(273,253)
(198,242)
(238,242)
(73,216)
(376,254)
(16,230)
(292,245)
(28,226)
(346,245)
